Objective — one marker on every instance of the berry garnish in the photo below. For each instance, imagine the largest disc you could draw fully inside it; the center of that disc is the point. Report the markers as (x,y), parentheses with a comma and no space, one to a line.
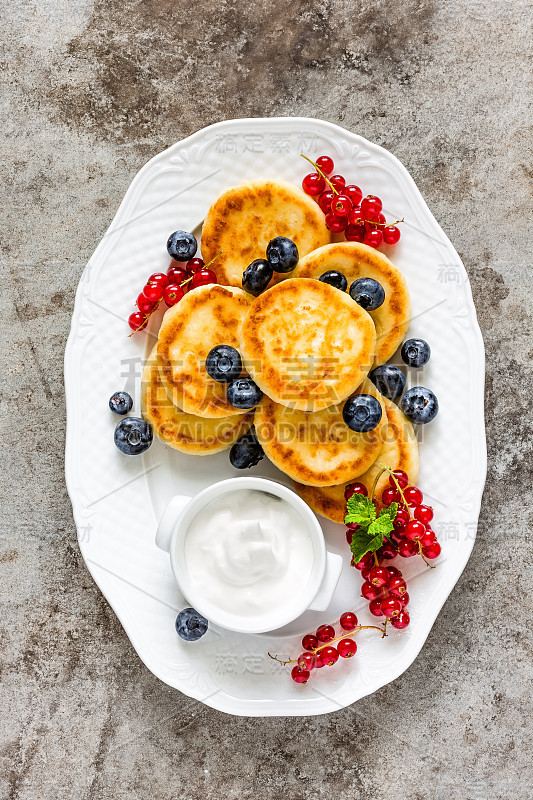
(257,276)
(246,452)
(419,405)
(133,436)
(153,292)
(172,294)
(176,275)
(335,224)
(355,488)
(415,352)
(362,413)
(243,393)
(401,621)
(423,514)
(338,182)
(282,254)
(120,403)
(391,607)
(313,184)
(346,648)
(329,656)
(414,530)
(379,576)
(306,661)
(299,675)
(325,164)
(335,278)
(223,363)
(144,305)
(325,200)
(370,592)
(390,495)
(432,550)
(137,321)
(194,265)
(399,477)
(348,621)
(406,548)
(368,293)
(354,193)
(375,607)
(371,205)
(190,625)
(391,234)
(181,245)
(341,205)
(158,277)
(309,642)
(374,238)
(202,278)
(413,495)
(325,633)
(355,233)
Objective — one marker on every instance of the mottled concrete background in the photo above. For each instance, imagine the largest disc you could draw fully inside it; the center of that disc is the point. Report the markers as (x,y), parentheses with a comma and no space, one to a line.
(91,90)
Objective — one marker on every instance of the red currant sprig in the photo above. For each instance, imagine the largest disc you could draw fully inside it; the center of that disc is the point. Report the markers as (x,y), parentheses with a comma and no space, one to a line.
(319,650)
(170,289)
(346,209)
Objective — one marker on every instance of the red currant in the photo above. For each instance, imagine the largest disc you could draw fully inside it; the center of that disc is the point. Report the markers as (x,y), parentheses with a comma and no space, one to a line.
(338,182)
(354,193)
(404,598)
(329,656)
(306,661)
(371,205)
(365,563)
(374,238)
(341,205)
(136,321)
(348,621)
(365,573)
(379,576)
(313,184)
(172,294)
(325,200)
(349,535)
(346,648)
(325,163)
(389,496)
(309,642)
(153,292)
(299,675)
(423,514)
(432,550)
(388,551)
(428,538)
(158,277)
(406,548)
(334,223)
(401,477)
(413,496)
(375,608)
(325,633)
(194,265)
(355,488)
(143,304)
(370,592)
(401,621)
(394,572)
(202,278)
(380,220)
(414,529)
(391,234)
(355,217)
(402,518)
(355,233)
(397,586)
(391,607)
(177,275)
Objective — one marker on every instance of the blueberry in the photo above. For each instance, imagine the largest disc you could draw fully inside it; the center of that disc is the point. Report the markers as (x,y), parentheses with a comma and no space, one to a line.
(190,625)
(246,452)
(419,405)
(120,403)
(415,352)
(223,363)
(243,393)
(181,245)
(368,293)
(362,412)
(388,380)
(335,278)
(282,254)
(133,436)
(257,276)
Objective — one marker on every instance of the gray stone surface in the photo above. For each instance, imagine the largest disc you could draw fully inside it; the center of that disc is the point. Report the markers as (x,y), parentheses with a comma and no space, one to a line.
(91,90)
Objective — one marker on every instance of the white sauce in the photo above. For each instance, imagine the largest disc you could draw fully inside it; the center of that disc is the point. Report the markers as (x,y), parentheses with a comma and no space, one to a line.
(249,553)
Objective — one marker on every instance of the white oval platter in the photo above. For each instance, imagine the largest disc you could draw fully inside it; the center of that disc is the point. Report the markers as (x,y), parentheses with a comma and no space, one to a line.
(117,500)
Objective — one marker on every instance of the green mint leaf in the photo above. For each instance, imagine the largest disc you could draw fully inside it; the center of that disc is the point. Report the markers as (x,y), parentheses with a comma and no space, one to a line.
(390,512)
(363,542)
(360,510)
(382,525)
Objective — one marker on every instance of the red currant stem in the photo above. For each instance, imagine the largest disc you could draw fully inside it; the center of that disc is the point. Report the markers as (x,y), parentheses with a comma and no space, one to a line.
(219,254)
(329,183)
(346,635)
(360,221)
(385,628)
(424,559)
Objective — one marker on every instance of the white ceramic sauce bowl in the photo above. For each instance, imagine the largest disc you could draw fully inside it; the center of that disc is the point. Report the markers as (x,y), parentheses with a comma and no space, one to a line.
(326,568)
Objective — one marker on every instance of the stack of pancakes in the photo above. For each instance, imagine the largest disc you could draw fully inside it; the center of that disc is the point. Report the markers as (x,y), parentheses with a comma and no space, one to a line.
(307,345)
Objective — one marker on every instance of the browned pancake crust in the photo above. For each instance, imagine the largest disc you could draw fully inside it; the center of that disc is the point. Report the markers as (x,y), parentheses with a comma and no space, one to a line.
(400,451)
(246,217)
(355,261)
(307,345)
(206,317)
(318,448)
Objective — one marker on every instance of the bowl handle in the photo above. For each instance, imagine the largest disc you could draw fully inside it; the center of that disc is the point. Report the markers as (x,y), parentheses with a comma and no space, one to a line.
(167,523)
(322,599)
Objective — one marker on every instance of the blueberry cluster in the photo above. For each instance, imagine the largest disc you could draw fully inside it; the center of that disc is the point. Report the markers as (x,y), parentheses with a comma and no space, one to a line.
(133,435)
(281,256)
(224,364)
(368,292)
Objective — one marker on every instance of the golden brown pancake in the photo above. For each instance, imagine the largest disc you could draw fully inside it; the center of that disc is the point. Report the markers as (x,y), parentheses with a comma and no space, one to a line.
(187,433)
(355,261)
(206,317)
(306,344)
(400,451)
(318,448)
(246,217)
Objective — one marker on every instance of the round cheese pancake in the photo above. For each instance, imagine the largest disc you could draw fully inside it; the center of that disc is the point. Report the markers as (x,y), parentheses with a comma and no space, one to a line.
(355,261)
(246,217)
(187,433)
(318,448)
(206,317)
(307,345)
(400,451)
